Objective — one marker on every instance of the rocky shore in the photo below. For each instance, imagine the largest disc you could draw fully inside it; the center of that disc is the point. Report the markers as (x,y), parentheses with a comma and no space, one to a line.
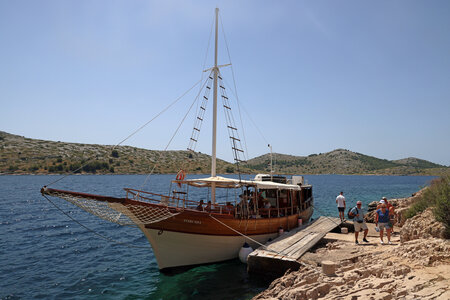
(416,266)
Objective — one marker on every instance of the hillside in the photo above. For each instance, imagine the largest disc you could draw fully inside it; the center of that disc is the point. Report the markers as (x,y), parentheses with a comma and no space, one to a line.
(342,161)
(20,155)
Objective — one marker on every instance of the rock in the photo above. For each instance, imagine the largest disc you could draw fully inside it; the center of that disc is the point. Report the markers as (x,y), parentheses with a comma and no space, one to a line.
(417,268)
(423,225)
(344,230)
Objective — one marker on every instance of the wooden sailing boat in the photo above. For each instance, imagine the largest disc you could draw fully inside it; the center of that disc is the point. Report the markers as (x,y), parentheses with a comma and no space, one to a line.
(182,230)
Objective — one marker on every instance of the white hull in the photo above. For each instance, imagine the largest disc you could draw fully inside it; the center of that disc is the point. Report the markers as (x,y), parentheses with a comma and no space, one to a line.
(176,249)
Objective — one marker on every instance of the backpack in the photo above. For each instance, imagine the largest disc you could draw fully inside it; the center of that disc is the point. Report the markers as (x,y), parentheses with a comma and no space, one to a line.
(351,216)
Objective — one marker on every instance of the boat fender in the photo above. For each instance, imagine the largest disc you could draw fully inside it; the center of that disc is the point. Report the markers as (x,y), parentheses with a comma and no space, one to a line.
(280,230)
(244,252)
(180,176)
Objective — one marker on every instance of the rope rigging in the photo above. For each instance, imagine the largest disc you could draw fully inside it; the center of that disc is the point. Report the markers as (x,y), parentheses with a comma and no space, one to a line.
(200,116)
(235,88)
(91,230)
(174,134)
(132,134)
(107,213)
(129,214)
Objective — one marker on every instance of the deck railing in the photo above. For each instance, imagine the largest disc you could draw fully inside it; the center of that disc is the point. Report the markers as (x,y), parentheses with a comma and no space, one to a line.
(239,211)
(176,202)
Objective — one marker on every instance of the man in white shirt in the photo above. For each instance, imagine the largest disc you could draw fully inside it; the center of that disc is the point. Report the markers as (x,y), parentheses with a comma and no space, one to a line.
(340,201)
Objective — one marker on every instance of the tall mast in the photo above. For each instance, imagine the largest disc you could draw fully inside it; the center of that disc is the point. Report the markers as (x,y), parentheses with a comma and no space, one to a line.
(216,71)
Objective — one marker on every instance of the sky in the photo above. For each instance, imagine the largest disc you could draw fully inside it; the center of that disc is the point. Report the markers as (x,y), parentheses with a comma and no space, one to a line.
(311,76)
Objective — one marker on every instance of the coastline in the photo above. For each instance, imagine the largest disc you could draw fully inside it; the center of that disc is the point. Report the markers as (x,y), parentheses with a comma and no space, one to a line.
(416,266)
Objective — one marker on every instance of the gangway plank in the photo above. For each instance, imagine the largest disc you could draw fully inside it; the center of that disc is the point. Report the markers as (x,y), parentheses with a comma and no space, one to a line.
(284,252)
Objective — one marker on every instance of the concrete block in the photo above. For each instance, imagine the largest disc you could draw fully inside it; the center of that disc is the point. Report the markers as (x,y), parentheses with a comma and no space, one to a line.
(328,267)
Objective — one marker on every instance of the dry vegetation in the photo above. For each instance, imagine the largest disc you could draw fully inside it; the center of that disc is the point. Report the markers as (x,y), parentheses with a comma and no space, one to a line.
(343,161)
(20,155)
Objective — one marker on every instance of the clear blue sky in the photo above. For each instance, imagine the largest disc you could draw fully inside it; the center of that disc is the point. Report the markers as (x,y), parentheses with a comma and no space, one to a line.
(368,76)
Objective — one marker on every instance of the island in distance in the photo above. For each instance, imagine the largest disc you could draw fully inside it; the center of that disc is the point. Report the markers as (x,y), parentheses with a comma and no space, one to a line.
(20,155)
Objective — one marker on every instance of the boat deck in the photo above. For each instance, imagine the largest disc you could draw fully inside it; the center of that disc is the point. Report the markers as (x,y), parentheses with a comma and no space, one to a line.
(284,252)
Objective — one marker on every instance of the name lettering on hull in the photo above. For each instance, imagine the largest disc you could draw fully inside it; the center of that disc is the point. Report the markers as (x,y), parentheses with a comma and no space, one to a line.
(192,221)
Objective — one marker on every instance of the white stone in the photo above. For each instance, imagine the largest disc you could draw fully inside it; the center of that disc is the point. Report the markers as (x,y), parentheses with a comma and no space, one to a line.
(328,267)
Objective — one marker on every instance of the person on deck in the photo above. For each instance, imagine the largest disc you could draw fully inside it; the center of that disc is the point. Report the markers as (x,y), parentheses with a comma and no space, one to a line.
(229,208)
(200,206)
(359,222)
(340,201)
(382,222)
(208,207)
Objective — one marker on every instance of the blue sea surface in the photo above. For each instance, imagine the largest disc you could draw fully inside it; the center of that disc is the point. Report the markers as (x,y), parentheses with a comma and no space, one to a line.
(46,255)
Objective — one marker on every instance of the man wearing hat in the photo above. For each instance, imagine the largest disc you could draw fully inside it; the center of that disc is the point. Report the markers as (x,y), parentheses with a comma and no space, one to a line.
(358,221)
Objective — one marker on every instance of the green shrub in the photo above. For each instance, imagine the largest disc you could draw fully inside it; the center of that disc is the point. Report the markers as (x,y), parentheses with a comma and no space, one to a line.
(13,168)
(115,153)
(94,166)
(417,207)
(33,168)
(441,195)
(437,195)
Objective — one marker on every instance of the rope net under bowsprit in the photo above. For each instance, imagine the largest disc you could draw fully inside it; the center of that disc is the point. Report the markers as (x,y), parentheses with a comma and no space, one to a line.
(120,213)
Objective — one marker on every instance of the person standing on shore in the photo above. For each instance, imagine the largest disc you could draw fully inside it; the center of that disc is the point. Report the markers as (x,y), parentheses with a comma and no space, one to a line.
(340,201)
(391,209)
(392,214)
(382,222)
(358,221)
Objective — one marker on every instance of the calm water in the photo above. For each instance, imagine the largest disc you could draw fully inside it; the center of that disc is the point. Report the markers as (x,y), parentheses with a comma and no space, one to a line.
(45,255)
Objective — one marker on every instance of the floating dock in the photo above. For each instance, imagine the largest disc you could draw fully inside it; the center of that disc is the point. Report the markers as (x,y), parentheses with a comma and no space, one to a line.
(284,252)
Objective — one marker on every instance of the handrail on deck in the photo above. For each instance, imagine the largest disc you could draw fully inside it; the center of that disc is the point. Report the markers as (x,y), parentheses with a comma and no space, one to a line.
(175,201)
(238,210)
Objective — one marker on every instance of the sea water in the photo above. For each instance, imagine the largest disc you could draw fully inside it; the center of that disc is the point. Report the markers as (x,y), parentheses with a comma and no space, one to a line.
(46,255)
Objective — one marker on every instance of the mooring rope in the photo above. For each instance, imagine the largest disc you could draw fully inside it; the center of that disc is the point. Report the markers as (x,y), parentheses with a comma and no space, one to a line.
(91,230)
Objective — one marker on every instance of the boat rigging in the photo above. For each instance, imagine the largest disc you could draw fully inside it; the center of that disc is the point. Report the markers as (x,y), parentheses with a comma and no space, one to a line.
(249,211)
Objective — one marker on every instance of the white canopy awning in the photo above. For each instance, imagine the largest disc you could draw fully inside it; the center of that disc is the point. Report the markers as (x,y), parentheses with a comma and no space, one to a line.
(222,182)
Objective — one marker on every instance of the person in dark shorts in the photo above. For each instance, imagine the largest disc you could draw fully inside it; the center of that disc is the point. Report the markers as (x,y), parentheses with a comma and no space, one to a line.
(340,201)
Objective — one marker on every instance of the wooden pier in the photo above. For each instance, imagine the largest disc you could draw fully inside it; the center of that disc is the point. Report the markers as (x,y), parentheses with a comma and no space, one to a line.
(284,252)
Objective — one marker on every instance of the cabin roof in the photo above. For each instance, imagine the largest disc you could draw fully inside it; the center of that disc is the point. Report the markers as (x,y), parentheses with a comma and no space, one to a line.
(223,182)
